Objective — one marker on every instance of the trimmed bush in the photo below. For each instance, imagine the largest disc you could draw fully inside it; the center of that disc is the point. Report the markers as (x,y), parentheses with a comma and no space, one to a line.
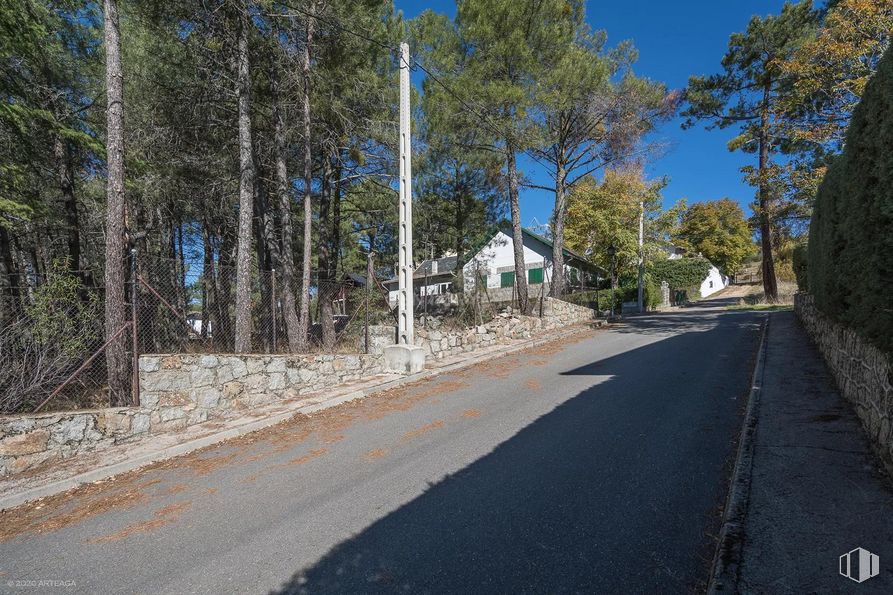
(798,259)
(680,273)
(850,255)
(588,298)
(630,291)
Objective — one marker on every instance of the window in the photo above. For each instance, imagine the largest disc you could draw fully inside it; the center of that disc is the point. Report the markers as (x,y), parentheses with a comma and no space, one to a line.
(535,276)
(711,284)
(507,279)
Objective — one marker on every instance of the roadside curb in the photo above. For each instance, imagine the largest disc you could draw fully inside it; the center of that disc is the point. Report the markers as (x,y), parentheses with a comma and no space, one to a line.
(727,558)
(108,471)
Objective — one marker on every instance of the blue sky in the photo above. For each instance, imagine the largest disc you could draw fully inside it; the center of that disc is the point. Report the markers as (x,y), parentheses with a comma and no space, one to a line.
(675,40)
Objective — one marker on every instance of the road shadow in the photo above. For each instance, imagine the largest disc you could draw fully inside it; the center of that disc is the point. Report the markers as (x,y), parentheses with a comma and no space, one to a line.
(615,490)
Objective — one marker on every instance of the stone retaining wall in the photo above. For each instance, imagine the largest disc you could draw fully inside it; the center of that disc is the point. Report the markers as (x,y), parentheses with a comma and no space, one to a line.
(863,373)
(439,343)
(178,391)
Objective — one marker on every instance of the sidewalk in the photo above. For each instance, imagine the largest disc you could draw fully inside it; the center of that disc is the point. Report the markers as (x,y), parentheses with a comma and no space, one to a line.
(101,464)
(816,491)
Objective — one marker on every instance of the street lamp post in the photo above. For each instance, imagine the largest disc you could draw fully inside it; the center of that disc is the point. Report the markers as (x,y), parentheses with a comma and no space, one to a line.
(612,254)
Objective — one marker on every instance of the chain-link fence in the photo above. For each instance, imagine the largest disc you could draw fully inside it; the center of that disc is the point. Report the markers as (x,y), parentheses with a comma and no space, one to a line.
(191,307)
(55,353)
(52,343)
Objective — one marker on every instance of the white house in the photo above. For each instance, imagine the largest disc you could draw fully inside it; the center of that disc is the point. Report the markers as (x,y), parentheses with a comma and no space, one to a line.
(494,266)
(713,282)
(432,280)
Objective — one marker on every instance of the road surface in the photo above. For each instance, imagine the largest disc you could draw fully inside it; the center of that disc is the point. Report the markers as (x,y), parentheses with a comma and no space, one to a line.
(596,464)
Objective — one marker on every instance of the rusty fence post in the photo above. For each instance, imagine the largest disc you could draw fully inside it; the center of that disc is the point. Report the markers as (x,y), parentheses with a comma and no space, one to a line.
(134,330)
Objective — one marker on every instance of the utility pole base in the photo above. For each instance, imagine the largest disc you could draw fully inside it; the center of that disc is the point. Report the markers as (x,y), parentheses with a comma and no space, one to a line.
(404,359)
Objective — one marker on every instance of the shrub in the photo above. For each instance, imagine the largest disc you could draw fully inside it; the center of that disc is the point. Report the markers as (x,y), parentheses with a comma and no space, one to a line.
(652,298)
(56,333)
(61,316)
(798,258)
(680,273)
(850,255)
(588,299)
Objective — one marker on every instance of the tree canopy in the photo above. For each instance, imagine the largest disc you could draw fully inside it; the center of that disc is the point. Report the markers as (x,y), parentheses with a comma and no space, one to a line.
(718,231)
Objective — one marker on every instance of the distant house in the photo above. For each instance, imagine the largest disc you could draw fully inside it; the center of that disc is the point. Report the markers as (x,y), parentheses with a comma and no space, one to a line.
(196,323)
(713,281)
(493,266)
(432,280)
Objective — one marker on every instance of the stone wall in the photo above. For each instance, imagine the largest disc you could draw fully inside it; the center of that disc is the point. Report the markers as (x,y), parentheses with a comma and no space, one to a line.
(176,391)
(439,343)
(508,294)
(864,374)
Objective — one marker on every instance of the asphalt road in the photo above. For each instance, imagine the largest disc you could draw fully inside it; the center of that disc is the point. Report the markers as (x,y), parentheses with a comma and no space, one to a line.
(592,465)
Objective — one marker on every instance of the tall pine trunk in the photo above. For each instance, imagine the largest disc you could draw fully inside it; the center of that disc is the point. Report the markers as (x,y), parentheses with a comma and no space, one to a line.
(224,332)
(517,237)
(325,289)
(116,352)
(558,217)
(208,297)
(62,155)
(304,317)
(459,222)
(770,286)
(246,191)
(10,305)
(335,238)
(265,247)
(287,256)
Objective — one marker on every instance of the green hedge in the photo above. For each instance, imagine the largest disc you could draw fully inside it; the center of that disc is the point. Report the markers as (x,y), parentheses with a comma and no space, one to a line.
(588,299)
(850,255)
(680,273)
(652,298)
(799,263)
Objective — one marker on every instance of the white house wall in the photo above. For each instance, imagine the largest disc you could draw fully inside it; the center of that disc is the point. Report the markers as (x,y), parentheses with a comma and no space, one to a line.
(499,255)
(713,282)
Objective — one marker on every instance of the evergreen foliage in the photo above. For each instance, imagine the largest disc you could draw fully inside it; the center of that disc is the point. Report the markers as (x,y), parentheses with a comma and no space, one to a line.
(681,273)
(851,235)
(799,260)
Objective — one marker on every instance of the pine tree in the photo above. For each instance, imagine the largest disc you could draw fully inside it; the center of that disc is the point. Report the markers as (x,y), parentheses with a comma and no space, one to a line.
(746,95)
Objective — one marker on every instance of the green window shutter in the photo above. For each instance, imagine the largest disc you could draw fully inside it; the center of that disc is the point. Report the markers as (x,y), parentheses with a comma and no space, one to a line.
(507,279)
(535,276)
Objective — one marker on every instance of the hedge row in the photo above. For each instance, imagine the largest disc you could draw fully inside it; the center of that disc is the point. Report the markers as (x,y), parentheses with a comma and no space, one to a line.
(850,255)
(681,273)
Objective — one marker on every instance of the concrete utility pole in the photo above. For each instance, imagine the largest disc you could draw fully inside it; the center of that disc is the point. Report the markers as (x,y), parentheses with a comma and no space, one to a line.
(405,356)
(641,256)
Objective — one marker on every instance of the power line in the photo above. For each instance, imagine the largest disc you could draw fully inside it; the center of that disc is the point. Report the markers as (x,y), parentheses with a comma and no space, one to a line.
(337,25)
(468,106)
(483,118)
